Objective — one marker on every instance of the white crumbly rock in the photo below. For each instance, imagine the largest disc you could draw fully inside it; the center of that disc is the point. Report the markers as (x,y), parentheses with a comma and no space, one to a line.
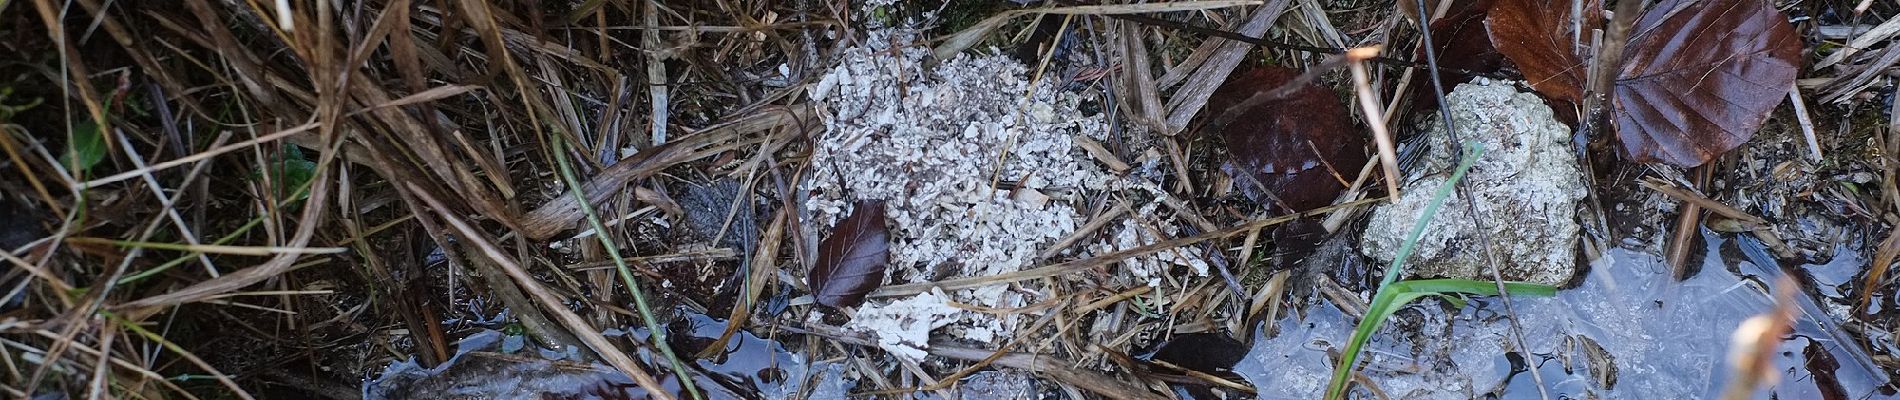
(903,327)
(930,142)
(1527,186)
(1145,229)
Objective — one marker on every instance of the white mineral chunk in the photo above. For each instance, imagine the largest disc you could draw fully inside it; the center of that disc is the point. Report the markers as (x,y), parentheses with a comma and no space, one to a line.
(932,143)
(1527,186)
(903,327)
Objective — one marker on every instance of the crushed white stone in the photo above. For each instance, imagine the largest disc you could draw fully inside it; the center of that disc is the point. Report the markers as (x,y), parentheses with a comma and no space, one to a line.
(930,141)
(1526,184)
(1143,229)
(904,326)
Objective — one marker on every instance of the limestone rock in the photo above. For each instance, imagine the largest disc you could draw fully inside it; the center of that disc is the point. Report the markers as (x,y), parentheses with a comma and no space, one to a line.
(1526,184)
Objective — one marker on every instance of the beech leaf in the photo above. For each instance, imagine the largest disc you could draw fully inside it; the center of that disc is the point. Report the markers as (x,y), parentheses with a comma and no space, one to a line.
(1698,78)
(1536,35)
(852,260)
(1461,42)
(1293,147)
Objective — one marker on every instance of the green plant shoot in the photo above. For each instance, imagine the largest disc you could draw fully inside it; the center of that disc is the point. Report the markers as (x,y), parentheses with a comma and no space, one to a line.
(1393,294)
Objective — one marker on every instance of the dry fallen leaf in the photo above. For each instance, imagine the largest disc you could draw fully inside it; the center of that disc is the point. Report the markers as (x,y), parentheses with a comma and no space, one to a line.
(851,261)
(1293,148)
(1461,42)
(1698,78)
(1536,35)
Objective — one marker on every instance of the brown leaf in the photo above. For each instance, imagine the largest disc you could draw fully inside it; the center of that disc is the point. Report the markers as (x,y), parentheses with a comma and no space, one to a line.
(851,261)
(1536,35)
(1292,145)
(1698,78)
(1461,42)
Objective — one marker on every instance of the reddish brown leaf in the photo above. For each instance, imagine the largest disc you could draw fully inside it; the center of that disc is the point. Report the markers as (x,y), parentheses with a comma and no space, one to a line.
(1292,145)
(1536,35)
(1699,77)
(1461,42)
(851,261)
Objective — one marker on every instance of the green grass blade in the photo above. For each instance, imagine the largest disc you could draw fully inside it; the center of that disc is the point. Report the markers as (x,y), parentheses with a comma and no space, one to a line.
(658,334)
(1477,287)
(1395,296)
(1385,301)
(1472,151)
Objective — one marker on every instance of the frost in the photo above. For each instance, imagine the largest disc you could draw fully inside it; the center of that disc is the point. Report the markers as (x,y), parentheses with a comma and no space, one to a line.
(1527,185)
(903,327)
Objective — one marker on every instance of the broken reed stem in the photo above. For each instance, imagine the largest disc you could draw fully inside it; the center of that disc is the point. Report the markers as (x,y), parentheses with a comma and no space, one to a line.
(1884,255)
(1399,92)
(620,265)
(1807,123)
(757,273)
(587,334)
(1369,103)
(1695,202)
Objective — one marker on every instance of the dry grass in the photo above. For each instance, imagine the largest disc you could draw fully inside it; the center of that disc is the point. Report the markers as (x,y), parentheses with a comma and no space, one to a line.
(270,184)
(269,180)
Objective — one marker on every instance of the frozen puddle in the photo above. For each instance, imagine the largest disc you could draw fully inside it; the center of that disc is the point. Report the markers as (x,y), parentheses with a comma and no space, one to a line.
(1628,332)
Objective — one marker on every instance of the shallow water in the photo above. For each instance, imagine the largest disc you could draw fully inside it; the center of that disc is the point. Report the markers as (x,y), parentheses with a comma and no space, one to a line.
(490,365)
(1627,332)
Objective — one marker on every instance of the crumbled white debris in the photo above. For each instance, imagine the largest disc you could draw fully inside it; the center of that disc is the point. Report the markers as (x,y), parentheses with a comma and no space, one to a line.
(903,327)
(929,144)
(1144,229)
(979,172)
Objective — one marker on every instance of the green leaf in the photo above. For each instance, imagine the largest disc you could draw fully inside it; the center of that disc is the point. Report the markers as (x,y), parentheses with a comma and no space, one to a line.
(85,146)
(290,174)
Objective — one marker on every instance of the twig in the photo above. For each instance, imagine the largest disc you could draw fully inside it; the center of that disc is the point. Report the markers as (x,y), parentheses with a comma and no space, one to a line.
(586,333)
(626,273)
(1257,41)
(1451,128)
(1807,124)
(1369,103)
(656,72)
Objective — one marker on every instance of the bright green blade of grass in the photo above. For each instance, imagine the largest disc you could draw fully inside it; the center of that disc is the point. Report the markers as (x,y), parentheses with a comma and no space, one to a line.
(1392,294)
(1396,296)
(1472,152)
